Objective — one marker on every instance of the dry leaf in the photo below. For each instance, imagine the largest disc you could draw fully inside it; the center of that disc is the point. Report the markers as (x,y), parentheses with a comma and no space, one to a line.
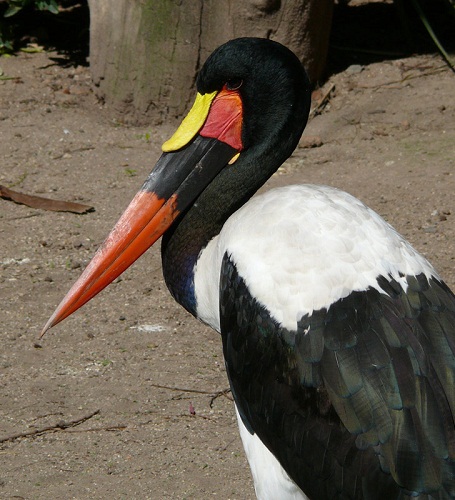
(43,203)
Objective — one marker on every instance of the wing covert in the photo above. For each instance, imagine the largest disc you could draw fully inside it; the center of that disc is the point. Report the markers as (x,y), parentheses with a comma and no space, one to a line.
(360,397)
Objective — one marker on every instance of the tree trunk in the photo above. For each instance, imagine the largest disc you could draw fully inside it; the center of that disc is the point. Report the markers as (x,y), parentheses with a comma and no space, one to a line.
(145,54)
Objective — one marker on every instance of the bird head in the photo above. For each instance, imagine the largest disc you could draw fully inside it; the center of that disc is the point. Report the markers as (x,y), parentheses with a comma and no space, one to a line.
(251,107)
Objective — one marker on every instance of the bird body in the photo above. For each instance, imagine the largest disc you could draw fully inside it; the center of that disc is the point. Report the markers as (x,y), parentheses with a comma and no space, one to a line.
(297,258)
(301,248)
(338,337)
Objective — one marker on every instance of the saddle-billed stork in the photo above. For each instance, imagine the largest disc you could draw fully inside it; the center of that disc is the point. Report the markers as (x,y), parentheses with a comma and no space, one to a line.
(338,337)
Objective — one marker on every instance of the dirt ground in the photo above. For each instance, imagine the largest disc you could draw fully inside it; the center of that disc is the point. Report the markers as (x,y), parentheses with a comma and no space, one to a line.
(131,368)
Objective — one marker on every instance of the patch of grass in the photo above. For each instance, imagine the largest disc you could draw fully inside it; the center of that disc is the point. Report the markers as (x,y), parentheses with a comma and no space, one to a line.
(19,180)
(130,172)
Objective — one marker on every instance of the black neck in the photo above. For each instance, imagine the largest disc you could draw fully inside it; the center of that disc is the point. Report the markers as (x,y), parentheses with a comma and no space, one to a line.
(234,185)
(191,232)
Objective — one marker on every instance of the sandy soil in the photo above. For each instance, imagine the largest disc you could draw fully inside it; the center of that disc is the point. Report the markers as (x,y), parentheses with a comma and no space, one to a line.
(132,355)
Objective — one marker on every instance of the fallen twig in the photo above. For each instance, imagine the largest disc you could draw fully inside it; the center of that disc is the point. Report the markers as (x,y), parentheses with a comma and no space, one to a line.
(214,395)
(323,101)
(180,389)
(405,78)
(43,203)
(97,429)
(224,448)
(224,393)
(61,425)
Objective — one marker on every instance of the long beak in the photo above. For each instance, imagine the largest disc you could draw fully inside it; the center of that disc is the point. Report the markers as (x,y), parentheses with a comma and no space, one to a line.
(175,182)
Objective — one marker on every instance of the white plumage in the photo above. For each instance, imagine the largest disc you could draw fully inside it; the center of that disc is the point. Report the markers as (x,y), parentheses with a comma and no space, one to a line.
(300,249)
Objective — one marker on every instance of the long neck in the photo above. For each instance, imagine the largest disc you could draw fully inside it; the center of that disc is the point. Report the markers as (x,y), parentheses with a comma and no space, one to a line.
(191,232)
(236,183)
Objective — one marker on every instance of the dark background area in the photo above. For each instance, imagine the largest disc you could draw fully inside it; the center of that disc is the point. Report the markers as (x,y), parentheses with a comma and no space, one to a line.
(376,31)
(362,32)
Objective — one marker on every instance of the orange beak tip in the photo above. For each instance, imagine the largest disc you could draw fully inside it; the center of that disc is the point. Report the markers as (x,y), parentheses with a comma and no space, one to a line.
(50,323)
(43,332)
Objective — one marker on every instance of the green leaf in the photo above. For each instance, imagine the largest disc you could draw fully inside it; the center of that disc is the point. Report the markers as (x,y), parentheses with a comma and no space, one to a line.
(12,9)
(50,5)
(32,50)
(432,34)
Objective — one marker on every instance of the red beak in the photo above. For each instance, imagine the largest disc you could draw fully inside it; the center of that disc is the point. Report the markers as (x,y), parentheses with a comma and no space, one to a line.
(176,181)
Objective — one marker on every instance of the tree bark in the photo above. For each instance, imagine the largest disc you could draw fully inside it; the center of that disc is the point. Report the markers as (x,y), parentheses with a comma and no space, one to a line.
(145,54)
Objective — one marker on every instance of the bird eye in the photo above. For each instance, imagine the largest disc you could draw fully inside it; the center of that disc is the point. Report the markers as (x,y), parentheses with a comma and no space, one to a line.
(234,84)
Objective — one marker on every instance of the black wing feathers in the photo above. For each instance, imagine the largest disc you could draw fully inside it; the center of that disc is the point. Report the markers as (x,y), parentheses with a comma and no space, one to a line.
(358,401)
